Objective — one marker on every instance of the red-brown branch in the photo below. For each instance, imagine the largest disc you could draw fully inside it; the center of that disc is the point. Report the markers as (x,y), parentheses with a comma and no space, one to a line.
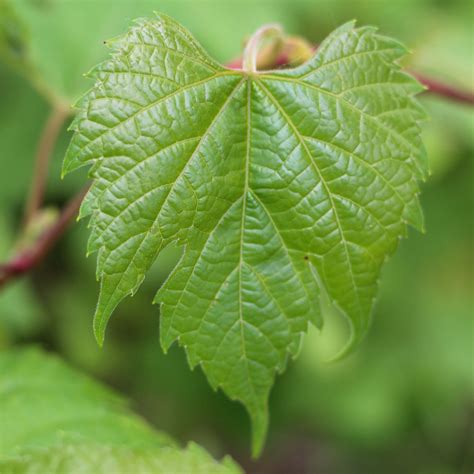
(31,257)
(444,90)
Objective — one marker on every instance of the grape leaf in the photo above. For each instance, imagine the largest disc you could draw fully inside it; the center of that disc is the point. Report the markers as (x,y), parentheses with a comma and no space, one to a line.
(56,420)
(277,185)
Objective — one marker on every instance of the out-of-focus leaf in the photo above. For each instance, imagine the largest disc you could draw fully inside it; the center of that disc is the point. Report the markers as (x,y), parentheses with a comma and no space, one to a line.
(13,47)
(42,399)
(80,457)
(56,420)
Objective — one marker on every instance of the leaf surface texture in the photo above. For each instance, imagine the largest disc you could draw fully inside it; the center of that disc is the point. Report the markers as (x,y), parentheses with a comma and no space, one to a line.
(277,186)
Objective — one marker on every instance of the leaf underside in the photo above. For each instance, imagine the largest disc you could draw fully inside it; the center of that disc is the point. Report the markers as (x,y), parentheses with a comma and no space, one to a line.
(277,185)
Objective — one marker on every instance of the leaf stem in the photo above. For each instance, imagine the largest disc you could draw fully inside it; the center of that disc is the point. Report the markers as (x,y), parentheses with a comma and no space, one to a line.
(273,34)
(436,87)
(29,258)
(45,148)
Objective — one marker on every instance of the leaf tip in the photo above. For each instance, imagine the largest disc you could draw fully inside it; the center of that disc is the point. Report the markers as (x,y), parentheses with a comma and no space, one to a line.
(101,316)
(99,336)
(349,25)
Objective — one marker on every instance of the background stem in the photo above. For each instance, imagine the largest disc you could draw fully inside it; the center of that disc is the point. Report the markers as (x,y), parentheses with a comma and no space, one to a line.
(442,89)
(29,258)
(45,148)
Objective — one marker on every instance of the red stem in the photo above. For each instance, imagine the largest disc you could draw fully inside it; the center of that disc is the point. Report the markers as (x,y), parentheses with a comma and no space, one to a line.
(30,258)
(447,91)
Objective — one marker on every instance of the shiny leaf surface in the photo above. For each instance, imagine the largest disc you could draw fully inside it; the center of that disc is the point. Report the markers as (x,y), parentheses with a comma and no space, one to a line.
(278,185)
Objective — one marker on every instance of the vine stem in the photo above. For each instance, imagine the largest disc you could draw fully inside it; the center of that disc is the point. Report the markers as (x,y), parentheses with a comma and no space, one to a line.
(433,86)
(436,87)
(45,148)
(29,258)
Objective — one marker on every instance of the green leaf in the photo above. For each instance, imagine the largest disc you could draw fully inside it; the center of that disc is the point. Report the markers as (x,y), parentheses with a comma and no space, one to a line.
(55,420)
(84,457)
(277,185)
(12,34)
(42,400)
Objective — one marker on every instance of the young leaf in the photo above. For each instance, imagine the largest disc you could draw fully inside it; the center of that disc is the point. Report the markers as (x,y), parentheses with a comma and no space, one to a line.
(276,184)
(55,420)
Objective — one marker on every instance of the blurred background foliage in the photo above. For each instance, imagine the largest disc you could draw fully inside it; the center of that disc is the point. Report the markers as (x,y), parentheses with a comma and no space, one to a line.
(404,401)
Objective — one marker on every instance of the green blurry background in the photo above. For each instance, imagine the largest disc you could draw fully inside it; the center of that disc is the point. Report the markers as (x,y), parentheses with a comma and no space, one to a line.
(404,401)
